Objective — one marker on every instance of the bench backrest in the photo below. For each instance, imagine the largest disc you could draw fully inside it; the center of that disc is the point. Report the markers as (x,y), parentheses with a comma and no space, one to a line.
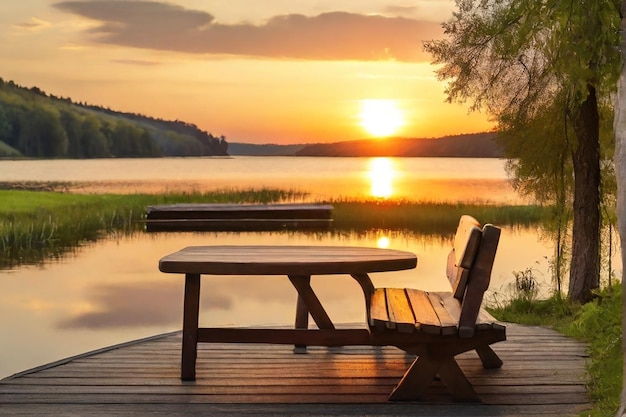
(469,268)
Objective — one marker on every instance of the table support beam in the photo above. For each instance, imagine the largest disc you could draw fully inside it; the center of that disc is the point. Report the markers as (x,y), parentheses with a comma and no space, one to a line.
(311,337)
(312,303)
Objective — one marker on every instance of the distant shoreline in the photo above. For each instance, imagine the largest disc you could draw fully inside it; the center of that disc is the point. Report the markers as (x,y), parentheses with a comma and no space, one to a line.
(474,145)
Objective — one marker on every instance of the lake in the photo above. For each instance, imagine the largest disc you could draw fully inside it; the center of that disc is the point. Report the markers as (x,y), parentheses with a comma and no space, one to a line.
(111,291)
(323,178)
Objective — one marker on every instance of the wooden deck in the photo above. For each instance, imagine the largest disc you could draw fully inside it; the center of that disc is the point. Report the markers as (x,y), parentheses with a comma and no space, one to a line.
(543,374)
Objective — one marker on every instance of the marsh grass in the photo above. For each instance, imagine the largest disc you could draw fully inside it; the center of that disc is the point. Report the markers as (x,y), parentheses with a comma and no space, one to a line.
(35,225)
(427,217)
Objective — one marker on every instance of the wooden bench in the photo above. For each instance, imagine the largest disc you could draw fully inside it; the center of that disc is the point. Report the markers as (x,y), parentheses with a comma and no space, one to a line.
(437,326)
(237,217)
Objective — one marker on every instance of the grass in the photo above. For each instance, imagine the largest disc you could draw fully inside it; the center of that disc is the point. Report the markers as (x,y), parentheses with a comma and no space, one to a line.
(427,217)
(597,323)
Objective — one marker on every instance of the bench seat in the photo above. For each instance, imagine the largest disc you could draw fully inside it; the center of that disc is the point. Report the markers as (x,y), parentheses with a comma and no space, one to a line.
(408,310)
(437,326)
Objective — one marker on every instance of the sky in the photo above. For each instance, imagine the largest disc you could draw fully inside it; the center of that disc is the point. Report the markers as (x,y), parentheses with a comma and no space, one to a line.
(270,71)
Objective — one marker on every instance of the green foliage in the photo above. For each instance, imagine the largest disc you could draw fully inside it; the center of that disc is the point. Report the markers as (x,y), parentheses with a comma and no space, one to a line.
(93,141)
(519,303)
(5,127)
(597,323)
(555,311)
(42,126)
(8,151)
(514,57)
(544,70)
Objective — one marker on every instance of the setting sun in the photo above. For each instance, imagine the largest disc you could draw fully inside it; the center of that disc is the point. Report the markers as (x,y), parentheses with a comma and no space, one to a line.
(380,117)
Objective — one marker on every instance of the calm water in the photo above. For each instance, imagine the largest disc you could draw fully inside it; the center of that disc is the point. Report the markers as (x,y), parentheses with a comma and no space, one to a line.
(112,291)
(322,178)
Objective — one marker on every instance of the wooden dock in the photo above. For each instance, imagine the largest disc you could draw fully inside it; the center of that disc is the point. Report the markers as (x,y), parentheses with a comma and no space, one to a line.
(543,374)
(237,217)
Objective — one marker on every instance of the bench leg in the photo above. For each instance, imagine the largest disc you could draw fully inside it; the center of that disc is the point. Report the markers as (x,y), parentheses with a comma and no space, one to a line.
(489,358)
(423,371)
(190,327)
(415,380)
(456,381)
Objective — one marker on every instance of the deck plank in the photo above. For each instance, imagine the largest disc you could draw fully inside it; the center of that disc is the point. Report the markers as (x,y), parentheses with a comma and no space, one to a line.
(543,374)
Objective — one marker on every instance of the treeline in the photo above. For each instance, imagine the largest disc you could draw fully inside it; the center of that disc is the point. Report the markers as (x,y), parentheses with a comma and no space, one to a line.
(35,124)
(474,145)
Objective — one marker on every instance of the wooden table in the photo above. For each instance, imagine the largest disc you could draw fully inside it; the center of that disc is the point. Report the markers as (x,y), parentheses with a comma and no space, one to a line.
(298,263)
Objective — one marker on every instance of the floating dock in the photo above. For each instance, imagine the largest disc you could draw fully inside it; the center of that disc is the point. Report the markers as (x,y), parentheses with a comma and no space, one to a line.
(543,374)
(237,217)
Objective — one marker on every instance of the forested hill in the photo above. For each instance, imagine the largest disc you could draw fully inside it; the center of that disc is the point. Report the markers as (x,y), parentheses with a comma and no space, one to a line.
(35,124)
(478,145)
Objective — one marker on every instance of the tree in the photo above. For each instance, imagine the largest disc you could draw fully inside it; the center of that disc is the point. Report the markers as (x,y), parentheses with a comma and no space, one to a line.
(521,59)
(42,134)
(52,135)
(620,172)
(5,126)
(72,124)
(546,176)
(93,141)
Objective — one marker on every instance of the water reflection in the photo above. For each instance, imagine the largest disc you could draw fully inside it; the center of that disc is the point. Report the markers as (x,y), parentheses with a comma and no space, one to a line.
(136,304)
(112,291)
(383,242)
(381,174)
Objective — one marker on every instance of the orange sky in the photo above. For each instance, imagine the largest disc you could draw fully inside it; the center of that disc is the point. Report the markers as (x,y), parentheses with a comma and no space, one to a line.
(254,71)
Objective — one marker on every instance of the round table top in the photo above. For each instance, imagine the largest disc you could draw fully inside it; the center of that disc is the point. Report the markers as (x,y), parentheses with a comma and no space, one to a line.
(285,260)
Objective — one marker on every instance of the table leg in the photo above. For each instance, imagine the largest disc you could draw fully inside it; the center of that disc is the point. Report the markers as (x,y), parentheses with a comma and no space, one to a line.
(302,321)
(366,285)
(191,309)
(302,314)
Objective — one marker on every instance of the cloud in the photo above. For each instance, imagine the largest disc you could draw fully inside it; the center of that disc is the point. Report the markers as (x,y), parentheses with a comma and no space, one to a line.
(138,62)
(401,10)
(328,36)
(34,24)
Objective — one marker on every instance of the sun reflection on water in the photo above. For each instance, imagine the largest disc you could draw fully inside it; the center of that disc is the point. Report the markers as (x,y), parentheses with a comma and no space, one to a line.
(382,242)
(381,173)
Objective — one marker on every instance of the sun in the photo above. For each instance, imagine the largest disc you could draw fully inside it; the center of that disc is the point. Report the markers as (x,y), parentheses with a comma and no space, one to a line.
(381,117)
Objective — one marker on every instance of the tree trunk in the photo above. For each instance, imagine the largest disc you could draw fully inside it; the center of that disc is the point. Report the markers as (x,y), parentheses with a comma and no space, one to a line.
(619,125)
(620,171)
(585,264)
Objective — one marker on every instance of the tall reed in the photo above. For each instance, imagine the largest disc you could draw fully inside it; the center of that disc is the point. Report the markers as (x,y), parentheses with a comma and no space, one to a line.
(427,217)
(35,225)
